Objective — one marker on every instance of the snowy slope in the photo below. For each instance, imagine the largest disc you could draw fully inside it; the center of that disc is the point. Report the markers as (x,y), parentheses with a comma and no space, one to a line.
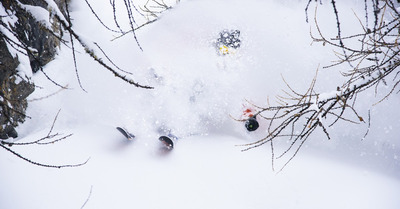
(195,93)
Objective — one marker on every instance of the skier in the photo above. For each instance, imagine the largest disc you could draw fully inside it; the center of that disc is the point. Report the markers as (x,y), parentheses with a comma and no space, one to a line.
(249,115)
(227,43)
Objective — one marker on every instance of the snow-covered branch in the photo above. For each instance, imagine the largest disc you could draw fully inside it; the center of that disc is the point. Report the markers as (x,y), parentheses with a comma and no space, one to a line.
(47,18)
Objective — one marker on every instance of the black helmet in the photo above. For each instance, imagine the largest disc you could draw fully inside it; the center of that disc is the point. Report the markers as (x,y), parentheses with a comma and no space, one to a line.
(251,124)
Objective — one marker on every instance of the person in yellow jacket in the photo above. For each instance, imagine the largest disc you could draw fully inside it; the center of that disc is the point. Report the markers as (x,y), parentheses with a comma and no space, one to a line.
(228,42)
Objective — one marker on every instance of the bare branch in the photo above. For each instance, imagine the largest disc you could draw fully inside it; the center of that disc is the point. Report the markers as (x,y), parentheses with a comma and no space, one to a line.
(4,145)
(91,53)
(41,164)
(87,199)
(300,114)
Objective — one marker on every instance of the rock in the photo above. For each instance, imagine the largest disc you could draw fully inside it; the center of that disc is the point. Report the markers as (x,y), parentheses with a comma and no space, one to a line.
(13,94)
(15,88)
(37,37)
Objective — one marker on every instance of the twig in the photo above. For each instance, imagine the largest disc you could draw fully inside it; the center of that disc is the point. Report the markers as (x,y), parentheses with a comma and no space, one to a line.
(87,199)
(299,114)
(369,125)
(41,164)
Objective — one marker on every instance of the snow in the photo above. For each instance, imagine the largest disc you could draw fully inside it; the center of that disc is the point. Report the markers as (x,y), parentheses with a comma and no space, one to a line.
(52,7)
(39,13)
(195,93)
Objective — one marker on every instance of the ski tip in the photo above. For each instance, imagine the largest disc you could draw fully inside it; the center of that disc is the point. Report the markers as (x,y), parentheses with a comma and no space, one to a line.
(169,144)
(124,132)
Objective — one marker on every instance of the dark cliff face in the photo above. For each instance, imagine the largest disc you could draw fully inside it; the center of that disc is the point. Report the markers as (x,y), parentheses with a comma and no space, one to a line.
(36,36)
(42,44)
(13,93)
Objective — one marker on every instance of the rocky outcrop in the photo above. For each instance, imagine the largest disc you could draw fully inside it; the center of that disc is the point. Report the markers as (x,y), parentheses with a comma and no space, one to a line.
(14,92)
(39,44)
(36,36)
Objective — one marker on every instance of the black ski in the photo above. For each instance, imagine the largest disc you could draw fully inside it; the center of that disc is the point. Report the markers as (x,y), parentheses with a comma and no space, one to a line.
(167,142)
(166,138)
(124,132)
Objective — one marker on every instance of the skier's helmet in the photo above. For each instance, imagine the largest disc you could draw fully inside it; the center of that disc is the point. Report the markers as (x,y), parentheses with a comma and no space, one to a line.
(251,124)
